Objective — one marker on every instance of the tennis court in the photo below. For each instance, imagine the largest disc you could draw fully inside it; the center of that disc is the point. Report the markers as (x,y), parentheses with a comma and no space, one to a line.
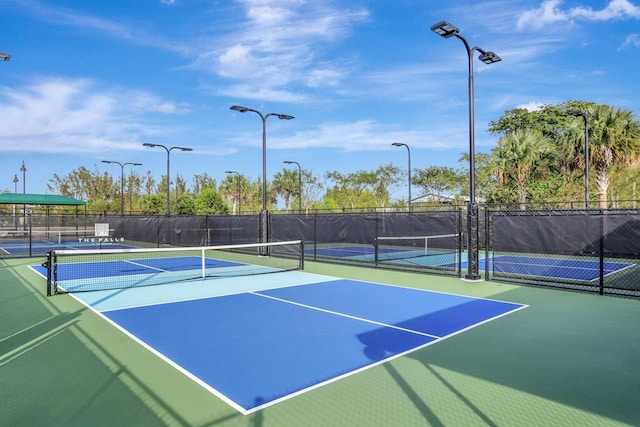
(567,358)
(24,242)
(258,341)
(550,267)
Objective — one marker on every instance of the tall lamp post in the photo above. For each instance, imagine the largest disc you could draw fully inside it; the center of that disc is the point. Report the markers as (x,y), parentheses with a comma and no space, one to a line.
(168,150)
(122,165)
(15,191)
(583,114)
(264,117)
(23,169)
(400,144)
(447,30)
(291,162)
(239,194)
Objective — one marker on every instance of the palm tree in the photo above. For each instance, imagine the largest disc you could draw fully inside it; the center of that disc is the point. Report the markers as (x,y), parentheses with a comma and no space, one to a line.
(520,154)
(614,139)
(285,184)
(229,190)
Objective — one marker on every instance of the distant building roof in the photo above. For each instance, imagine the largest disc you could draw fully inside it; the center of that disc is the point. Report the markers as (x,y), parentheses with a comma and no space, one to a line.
(38,199)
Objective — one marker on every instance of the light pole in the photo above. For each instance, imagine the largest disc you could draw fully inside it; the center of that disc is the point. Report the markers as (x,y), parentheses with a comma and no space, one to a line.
(400,144)
(4,57)
(239,194)
(23,169)
(168,150)
(291,162)
(122,165)
(240,109)
(447,30)
(583,114)
(15,191)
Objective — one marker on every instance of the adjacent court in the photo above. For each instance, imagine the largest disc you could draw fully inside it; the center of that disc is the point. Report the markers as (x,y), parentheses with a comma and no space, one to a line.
(257,340)
(551,267)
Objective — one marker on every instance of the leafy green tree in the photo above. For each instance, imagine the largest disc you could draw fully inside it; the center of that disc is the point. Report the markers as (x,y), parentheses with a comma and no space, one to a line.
(311,188)
(152,204)
(133,189)
(179,188)
(438,181)
(185,205)
(209,201)
(202,181)
(150,183)
(362,188)
(386,177)
(486,177)
(85,184)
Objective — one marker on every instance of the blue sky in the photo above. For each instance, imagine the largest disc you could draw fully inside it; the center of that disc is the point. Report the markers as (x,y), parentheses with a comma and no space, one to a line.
(90,80)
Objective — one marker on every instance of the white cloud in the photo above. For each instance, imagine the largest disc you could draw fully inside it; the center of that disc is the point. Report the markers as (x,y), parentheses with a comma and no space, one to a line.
(631,40)
(532,105)
(550,12)
(360,135)
(277,45)
(616,9)
(72,115)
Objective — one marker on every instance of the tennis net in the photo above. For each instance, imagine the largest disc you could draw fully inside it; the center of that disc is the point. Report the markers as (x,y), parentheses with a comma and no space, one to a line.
(107,269)
(431,251)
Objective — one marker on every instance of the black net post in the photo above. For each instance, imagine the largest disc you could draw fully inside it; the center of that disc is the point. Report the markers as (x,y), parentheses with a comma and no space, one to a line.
(47,265)
(375,251)
(264,230)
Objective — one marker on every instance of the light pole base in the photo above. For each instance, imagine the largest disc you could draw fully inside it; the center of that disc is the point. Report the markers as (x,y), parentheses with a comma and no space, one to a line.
(473,278)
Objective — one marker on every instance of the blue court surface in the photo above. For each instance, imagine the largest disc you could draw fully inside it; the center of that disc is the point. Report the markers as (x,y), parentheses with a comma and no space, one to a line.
(555,268)
(255,341)
(342,251)
(408,256)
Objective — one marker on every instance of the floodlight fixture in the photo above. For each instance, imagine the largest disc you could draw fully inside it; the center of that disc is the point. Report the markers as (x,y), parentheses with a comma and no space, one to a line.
(489,57)
(5,57)
(239,108)
(445,29)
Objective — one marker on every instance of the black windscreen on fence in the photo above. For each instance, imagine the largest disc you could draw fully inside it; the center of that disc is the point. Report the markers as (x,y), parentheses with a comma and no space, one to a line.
(410,243)
(201,230)
(597,250)
(594,249)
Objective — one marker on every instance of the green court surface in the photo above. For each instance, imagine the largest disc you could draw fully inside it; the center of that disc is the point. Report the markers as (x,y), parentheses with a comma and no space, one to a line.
(569,359)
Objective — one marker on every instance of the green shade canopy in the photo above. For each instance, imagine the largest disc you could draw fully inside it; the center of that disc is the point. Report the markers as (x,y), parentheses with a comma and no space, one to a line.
(39,199)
